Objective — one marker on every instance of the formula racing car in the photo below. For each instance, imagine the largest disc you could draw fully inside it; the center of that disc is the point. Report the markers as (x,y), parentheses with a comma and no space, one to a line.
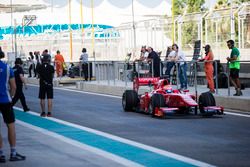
(162,99)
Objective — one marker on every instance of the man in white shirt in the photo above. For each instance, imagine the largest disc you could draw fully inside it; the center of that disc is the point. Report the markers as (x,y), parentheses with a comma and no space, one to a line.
(84,61)
(144,53)
(170,62)
(182,70)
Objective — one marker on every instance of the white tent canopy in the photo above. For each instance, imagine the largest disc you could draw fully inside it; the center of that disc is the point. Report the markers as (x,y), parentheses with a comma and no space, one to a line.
(107,12)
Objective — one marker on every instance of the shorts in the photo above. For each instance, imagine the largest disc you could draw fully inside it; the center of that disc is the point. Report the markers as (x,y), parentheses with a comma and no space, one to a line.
(234,73)
(7,112)
(46,91)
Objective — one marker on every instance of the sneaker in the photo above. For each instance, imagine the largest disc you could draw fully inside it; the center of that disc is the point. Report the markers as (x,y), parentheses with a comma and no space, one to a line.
(49,114)
(43,114)
(26,110)
(17,157)
(2,159)
(236,94)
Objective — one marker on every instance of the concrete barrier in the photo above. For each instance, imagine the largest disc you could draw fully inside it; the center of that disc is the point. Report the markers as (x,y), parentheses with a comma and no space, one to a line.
(241,103)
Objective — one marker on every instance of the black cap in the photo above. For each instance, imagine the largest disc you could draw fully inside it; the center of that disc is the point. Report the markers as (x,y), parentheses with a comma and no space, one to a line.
(46,58)
(18,61)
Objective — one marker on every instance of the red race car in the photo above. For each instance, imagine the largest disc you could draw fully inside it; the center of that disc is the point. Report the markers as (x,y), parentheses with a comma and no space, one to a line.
(163,99)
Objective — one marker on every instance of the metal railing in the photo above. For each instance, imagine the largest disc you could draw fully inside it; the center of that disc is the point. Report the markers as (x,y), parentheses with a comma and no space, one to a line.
(117,72)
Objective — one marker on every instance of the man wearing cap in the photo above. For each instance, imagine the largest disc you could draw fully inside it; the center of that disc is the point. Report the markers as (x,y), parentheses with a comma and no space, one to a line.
(46,74)
(208,67)
(20,81)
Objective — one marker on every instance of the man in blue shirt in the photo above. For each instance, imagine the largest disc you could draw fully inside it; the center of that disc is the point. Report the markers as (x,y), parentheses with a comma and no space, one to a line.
(7,79)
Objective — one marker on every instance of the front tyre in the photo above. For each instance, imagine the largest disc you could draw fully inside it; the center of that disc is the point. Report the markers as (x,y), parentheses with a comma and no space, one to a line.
(129,100)
(157,100)
(206,99)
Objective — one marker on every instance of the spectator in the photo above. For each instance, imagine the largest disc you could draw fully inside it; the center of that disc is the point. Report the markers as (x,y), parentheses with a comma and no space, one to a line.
(234,66)
(7,81)
(20,81)
(59,60)
(170,58)
(31,63)
(46,73)
(155,59)
(144,53)
(46,55)
(37,61)
(84,62)
(182,70)
(208,67)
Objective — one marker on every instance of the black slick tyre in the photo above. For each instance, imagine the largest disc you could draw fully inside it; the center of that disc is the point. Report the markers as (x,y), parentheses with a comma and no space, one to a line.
(129,100)
(157,100)
(206,99)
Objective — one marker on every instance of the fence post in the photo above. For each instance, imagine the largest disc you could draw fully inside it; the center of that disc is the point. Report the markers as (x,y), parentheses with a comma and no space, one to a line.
(125,75)
(152,67)
(177,74)
(195,80)
(98,69)
(114,70)
(80,69)
(108,71)
(89,71)
(216,77)
(228,79)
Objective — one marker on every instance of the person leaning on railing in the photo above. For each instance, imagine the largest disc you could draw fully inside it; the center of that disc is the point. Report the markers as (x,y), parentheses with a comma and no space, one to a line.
(182,67)
(170,58)
(154,58)
(234,66)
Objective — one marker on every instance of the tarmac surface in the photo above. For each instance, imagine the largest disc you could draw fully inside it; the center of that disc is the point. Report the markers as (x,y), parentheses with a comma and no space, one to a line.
(45,141)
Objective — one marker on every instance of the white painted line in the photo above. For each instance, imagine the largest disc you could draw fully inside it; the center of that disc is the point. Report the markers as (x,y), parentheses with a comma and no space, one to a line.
(130,142)
(94,150)
(237,114)
(78,91)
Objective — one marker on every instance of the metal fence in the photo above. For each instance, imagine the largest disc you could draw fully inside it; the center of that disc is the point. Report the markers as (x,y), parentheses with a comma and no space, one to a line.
(117,72)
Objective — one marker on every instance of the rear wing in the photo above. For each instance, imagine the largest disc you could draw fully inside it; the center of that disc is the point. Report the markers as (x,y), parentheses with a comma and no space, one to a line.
(137,82)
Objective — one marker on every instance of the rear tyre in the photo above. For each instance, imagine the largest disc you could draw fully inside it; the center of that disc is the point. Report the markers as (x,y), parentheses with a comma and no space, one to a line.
(129,100)
(206,99)
(157,100)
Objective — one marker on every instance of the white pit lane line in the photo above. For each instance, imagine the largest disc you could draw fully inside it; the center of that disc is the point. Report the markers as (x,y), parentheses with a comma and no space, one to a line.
(105,154)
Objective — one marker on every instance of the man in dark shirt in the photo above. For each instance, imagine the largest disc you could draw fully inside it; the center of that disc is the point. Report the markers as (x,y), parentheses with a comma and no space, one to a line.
(153,57)
(46,74)
(20,81)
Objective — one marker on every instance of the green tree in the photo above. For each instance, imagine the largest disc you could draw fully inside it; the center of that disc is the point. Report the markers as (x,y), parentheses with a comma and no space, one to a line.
(179,6)
(226,3)
(190,30)
(221,4)
(195,6)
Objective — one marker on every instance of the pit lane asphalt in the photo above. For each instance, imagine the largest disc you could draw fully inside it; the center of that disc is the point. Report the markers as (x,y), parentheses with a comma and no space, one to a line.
(220,141)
